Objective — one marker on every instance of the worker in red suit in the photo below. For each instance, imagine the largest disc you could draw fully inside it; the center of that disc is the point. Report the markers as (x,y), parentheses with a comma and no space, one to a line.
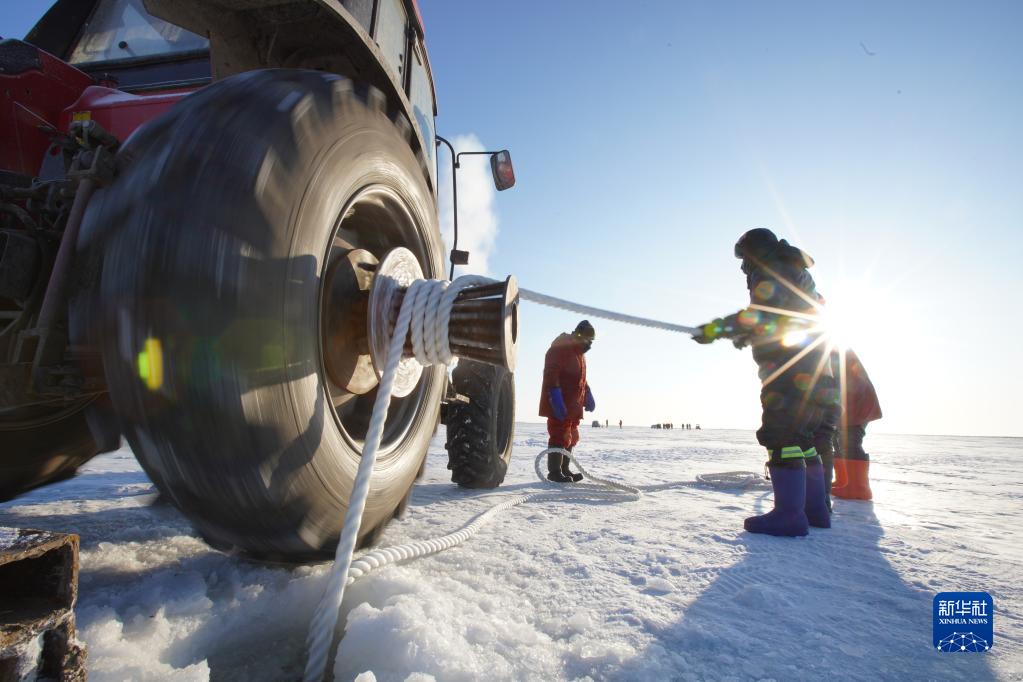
(564,396)
(852,463)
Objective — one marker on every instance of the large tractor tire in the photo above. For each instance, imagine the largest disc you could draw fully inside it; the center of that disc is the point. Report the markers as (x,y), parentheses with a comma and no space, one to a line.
(479,433)
(43,448)
(220,306)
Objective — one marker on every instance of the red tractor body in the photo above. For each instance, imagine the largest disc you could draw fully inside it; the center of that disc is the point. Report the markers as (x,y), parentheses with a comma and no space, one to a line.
(37,89)
(120,113)
(50,93)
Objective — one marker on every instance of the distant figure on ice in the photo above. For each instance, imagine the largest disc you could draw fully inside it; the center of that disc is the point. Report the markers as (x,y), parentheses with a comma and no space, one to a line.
(852,463)
(564,395)
(782,298)
(619,423)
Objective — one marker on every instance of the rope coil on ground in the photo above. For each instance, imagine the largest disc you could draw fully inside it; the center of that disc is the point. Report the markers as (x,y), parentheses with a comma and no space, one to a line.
(380,557)
(425,315)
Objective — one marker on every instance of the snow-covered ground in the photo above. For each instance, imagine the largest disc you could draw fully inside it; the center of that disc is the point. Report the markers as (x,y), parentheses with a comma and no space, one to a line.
(668,587)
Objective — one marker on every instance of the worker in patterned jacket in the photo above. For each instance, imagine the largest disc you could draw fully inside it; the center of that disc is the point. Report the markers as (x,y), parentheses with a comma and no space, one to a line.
(564,396)
(778,324)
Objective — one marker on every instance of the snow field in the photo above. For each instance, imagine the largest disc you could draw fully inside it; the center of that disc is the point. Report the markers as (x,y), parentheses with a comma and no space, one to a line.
(668,587)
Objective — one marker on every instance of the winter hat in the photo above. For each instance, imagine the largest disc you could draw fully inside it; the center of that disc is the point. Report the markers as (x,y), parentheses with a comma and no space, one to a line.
(760,244)
(585,330)
(757,243)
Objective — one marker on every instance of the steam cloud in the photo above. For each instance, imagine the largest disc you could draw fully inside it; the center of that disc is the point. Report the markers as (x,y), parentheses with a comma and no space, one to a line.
(477,221)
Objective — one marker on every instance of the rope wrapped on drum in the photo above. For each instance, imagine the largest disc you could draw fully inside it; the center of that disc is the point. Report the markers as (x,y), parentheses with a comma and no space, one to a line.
(425,316)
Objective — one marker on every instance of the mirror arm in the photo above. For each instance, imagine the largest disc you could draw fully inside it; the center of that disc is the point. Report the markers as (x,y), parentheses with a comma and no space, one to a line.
(454,207)
(456,255)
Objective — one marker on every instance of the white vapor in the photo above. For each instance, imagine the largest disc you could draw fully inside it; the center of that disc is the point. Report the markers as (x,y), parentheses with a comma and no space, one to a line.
(477,220)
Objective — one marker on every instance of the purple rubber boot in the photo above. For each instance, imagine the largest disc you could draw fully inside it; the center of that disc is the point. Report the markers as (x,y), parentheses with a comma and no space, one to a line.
(816,494)
(788,517)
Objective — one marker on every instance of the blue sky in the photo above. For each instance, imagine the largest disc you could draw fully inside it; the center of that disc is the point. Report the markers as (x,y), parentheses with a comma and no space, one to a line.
(883,138)
(647,137)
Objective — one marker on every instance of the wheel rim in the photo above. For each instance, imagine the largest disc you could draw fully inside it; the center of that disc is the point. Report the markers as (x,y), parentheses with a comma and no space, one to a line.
(505,402)
(373,222)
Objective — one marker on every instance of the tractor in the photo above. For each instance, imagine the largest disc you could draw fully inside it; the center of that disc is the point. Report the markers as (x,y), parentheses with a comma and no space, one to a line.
(208,210)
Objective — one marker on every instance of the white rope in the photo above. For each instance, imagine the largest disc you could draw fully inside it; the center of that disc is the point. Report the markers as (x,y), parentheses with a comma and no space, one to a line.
(425,314)
(595,484)
(599,488)
(553,302)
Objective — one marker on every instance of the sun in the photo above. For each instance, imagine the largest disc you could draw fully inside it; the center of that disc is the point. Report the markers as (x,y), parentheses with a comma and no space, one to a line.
(854,315)
(860,315)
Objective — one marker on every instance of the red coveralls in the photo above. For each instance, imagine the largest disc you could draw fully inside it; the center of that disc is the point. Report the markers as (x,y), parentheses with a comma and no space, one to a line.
(861,404)
(861,408)
(564,367)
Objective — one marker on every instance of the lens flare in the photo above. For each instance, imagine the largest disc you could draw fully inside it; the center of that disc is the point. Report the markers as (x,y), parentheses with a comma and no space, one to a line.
(803,381)
(860,316)
(749,318)
(150,364)
(764,291)
(796,337)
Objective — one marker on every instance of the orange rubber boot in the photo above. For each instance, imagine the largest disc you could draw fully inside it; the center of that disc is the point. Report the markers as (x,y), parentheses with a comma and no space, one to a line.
(858,485)
(841,478)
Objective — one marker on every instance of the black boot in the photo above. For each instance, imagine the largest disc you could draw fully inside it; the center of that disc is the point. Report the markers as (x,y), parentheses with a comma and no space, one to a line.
(565,471)
(554,468)
(828,461)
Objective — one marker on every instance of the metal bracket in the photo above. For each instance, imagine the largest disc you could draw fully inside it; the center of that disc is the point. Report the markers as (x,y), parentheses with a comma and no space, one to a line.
(39,574)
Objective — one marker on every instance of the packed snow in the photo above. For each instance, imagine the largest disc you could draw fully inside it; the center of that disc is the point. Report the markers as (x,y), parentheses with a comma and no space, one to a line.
(666,587)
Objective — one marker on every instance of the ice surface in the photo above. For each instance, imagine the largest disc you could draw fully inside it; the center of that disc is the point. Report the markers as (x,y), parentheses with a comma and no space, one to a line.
(668,587)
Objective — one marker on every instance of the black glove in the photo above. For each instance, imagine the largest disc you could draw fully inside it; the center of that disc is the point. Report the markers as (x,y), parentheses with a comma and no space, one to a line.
(741,342)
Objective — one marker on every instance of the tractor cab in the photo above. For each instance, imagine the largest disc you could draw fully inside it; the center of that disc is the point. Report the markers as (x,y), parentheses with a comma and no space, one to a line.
(120,43)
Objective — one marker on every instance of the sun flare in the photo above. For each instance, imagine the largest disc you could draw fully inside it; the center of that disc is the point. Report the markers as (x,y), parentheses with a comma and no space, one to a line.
(859,315)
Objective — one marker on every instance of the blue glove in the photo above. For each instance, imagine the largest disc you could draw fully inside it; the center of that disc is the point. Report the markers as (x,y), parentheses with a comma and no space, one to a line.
(557,402)
(591,404)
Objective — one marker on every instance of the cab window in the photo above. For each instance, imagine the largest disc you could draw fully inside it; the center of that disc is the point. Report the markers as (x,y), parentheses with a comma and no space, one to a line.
(392,35)
(122,29)
(421,98)
(362,12)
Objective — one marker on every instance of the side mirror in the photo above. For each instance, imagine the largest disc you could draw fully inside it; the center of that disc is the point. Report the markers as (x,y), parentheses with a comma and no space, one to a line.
(501,167)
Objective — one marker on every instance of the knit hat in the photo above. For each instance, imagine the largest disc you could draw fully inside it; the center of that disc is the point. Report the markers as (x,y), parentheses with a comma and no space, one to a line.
(757,243)
(760,244)
(585,330)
